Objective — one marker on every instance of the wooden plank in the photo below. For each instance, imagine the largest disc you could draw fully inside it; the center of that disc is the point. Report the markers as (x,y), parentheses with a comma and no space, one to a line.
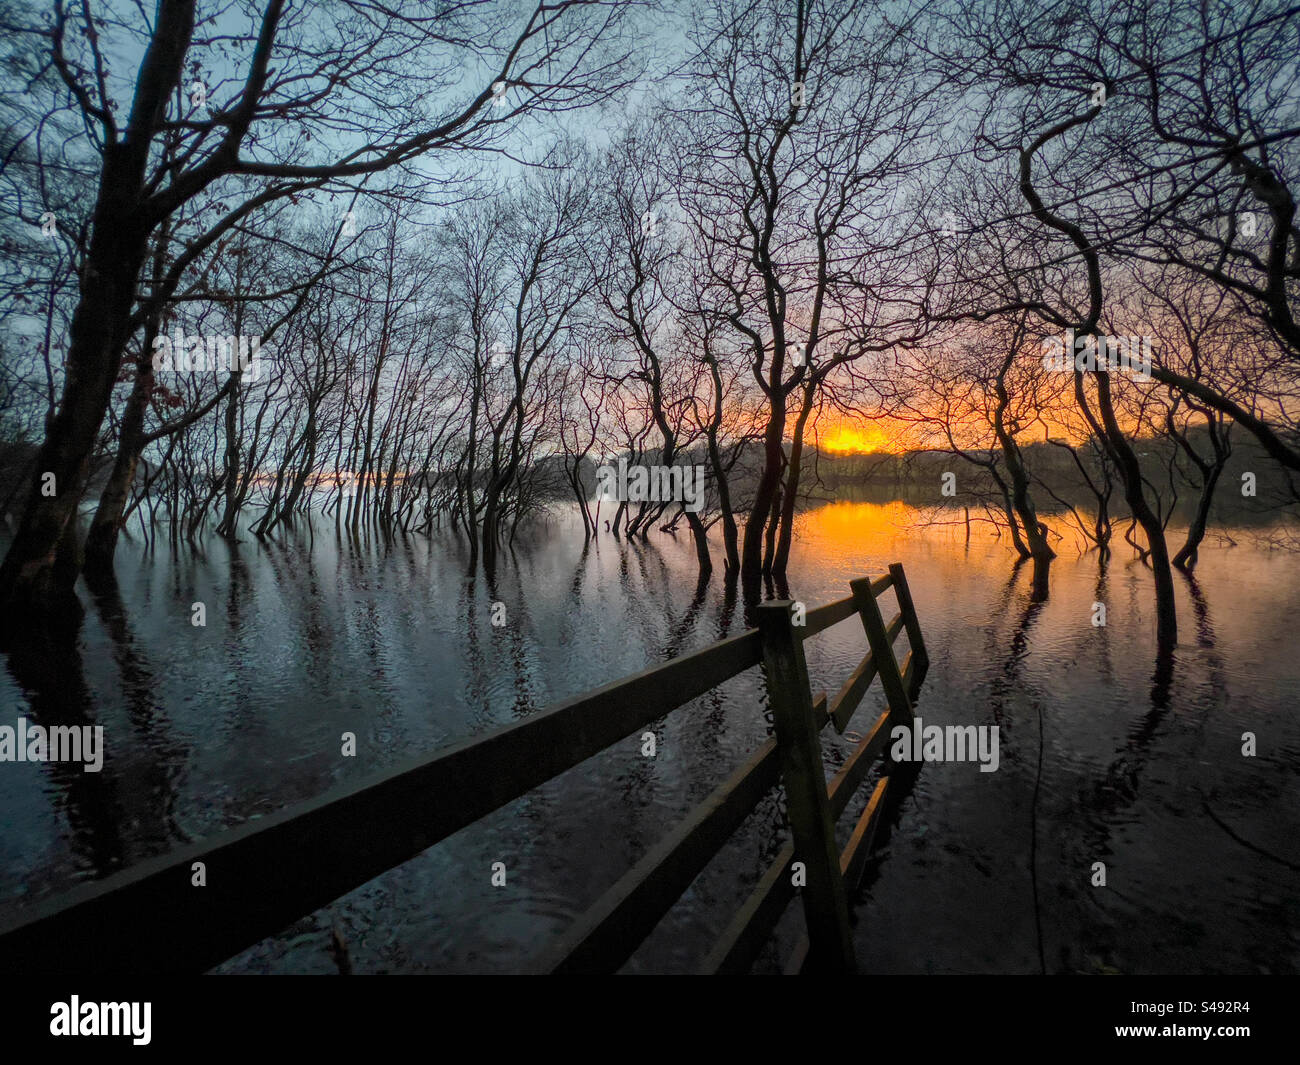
(850,695)
(807,806)
(824,617)
(749,929)
(894,627)
(740,943)
(901,689)
(607,934)
(855,768)
(852,864)
(914,638)
(264,875)
(854,859)
(910,684)
(882,651)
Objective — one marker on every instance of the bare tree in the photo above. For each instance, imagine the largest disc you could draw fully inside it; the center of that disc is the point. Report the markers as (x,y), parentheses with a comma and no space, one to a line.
(289,109)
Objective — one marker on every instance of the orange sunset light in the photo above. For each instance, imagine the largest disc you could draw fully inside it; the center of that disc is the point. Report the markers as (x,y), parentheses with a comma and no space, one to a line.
(860,438)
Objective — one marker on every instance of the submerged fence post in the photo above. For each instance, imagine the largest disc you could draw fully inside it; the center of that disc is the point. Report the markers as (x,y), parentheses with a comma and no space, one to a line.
(882,652)
(825,902)
(913,626)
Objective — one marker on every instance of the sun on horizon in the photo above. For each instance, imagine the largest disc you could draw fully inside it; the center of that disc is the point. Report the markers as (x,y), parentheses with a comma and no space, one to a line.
(860,438)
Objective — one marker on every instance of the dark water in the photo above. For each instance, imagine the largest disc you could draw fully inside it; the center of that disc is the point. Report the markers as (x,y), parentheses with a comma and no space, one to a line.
(1100,760)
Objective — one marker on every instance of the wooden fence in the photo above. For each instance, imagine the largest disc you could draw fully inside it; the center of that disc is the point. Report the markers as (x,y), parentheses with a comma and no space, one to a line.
(264,875)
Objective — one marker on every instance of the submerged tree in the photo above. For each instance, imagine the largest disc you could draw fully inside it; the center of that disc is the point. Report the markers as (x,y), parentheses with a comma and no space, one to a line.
(288,106)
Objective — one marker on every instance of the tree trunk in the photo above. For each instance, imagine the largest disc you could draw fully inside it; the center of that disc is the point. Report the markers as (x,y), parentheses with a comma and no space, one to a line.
(751,563)
(1131,473)
(1187,555)
(1035,531)
(791,495)
(101,541)
(28,578)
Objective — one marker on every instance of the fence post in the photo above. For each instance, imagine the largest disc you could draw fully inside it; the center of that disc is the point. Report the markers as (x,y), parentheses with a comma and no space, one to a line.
(825,902)
(913,626)
(882,652)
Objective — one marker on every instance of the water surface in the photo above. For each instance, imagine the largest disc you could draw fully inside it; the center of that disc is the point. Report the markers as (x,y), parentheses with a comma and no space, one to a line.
(1101,759)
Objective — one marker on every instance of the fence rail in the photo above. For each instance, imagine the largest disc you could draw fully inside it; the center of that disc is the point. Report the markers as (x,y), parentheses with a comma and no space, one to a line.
(262,876)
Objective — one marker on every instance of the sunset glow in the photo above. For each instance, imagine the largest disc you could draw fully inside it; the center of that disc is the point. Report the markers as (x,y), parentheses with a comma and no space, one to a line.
(860,438)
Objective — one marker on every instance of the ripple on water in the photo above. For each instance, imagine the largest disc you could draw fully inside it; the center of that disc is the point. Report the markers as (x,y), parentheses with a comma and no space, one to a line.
(208,728)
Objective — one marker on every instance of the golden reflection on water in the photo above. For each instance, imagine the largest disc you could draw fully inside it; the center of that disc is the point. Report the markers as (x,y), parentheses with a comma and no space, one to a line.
(394,642)
(1245,578)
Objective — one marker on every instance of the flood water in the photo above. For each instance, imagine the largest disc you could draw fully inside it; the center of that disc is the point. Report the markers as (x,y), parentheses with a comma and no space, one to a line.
(1100,760)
